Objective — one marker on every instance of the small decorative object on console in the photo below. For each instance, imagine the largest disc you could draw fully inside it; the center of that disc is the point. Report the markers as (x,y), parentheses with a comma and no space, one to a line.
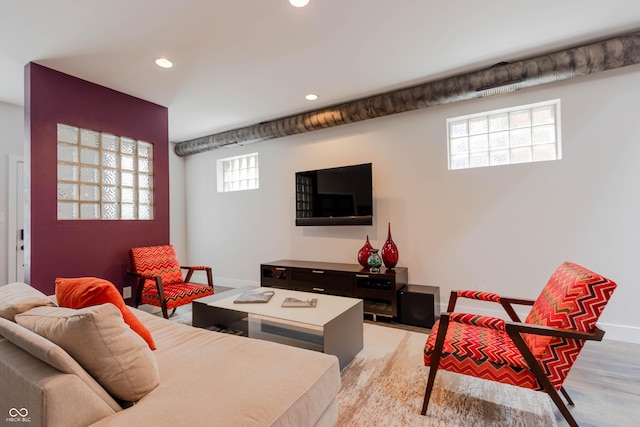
(374,262)
(389,251)
(364,252)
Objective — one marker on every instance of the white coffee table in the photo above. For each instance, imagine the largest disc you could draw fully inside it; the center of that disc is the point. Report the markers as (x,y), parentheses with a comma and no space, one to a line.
(334,326)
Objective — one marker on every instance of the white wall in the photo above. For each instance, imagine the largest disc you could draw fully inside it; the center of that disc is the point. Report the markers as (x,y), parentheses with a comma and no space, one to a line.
(504,229)
(177,207)
(11,143)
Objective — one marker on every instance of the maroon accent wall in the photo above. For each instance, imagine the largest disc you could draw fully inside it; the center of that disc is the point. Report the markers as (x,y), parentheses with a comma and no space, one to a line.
(85,248)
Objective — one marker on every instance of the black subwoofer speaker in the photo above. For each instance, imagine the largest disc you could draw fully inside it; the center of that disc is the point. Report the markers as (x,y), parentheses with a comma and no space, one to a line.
(419,305)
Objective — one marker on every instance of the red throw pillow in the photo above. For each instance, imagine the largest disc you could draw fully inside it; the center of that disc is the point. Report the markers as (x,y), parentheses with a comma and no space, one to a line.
(84,292)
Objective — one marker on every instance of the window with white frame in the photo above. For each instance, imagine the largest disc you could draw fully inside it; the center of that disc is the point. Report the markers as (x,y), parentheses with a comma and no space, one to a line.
(238,173)
(524,134)
(102,176)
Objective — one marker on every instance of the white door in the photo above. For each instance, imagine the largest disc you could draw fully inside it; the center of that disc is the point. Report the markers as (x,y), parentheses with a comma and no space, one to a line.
(16,219)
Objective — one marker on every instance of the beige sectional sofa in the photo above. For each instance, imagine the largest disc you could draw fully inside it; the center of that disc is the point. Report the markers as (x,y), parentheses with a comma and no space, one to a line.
(205,378)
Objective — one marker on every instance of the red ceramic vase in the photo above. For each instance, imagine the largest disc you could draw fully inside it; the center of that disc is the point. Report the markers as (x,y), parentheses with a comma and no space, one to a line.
(364,253)
(389,251)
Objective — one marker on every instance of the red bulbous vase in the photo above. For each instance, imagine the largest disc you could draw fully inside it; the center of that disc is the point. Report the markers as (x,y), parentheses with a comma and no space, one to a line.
(389,252)
(364,253)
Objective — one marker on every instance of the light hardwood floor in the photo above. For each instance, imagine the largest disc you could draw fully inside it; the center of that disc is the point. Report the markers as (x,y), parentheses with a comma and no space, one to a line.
(604,383)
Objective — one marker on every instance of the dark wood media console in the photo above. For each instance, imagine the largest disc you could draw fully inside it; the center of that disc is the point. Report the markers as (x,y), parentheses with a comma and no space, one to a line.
(379,291)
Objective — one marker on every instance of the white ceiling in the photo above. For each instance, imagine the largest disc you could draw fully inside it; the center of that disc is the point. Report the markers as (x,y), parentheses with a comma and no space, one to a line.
(240,62)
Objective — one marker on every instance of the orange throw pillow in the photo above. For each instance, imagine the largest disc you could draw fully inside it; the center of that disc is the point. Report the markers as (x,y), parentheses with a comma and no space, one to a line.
(84,292)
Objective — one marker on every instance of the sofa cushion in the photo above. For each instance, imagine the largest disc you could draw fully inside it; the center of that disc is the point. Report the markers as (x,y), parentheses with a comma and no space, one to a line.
(263,383)
(16,298)
(84,292)
(99,340)
(51,354)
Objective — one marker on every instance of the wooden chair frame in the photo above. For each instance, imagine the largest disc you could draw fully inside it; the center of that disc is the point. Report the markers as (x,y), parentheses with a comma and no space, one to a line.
(140,279)
(514,329)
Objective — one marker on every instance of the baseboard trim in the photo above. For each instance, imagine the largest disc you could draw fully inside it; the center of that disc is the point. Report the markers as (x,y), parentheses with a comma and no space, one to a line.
(628,334)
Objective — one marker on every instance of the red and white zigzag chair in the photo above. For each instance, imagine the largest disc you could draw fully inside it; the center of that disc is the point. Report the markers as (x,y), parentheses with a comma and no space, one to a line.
(159,278)
(536,354)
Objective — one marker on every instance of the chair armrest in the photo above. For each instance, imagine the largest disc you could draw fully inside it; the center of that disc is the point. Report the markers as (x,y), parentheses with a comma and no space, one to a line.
(478,295)
(518,301)
(140,275)
(505,302)
(478,320)
(191,269)
(139,285)
(513,328)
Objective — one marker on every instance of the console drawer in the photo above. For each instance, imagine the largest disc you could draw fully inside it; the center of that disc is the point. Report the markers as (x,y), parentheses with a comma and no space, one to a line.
(322,281)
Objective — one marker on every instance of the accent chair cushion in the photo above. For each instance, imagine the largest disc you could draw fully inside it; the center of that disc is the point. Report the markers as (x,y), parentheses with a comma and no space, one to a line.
(84,292)
(573,298)
(157,261)
(176,294)
(16,298)
(99,340)
(481,352)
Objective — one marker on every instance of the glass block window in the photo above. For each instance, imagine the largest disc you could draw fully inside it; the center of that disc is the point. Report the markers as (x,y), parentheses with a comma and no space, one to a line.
(524,134)
(238,173)
(102,176)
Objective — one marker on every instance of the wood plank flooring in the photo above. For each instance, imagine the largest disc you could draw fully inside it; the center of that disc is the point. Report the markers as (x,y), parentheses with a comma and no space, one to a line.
(604,384)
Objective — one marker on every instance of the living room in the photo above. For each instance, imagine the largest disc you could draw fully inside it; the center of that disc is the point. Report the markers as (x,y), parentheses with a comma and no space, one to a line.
(500,229)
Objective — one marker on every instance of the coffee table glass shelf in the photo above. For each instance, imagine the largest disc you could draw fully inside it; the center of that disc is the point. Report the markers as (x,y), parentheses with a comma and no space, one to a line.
(333,326)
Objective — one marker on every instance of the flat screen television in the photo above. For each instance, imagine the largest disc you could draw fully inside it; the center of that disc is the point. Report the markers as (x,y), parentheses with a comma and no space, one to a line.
(335,196)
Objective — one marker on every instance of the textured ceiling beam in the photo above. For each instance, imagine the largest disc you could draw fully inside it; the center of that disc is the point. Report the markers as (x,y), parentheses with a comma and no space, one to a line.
(501,78)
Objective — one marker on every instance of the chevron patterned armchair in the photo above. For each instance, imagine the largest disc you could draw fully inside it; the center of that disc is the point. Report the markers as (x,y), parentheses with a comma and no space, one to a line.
(536,354)
(159,278)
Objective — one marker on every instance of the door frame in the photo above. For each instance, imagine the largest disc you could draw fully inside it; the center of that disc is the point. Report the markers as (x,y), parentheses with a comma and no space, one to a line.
(12,241)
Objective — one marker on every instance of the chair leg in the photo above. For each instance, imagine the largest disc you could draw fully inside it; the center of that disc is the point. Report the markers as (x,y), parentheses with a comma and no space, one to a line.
(165,313)
(139,286)
(210,276)
(543,380)
(163,302)
(435,360)
(566,396)
(562,407)
(427,393)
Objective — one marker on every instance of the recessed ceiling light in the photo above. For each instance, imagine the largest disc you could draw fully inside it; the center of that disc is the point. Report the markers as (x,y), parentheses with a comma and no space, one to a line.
(164,63)
(299,3)
(311,97)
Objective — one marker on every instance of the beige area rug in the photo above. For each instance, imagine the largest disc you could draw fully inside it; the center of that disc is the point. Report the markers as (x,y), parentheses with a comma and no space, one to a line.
(384,386)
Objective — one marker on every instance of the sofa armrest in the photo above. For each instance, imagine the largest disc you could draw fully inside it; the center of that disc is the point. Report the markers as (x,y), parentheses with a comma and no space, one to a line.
(44,394)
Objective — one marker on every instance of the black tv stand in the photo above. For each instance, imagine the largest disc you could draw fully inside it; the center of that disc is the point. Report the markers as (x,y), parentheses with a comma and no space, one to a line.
(379,291)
